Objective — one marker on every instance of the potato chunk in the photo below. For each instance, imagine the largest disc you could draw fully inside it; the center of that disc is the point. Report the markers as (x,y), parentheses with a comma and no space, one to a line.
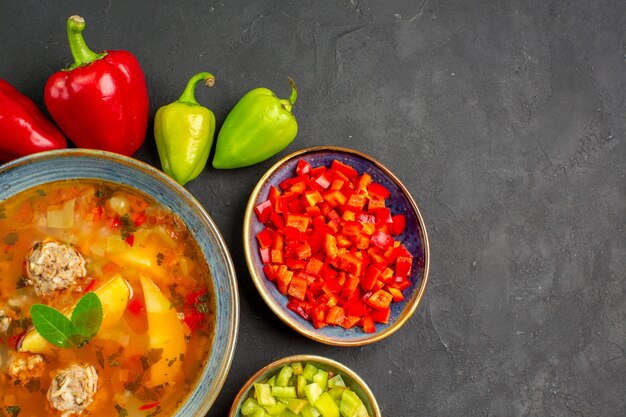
(166,332)
(114,298)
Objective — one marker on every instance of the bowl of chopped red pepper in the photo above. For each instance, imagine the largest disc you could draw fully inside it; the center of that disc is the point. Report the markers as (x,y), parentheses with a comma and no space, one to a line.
(336,246)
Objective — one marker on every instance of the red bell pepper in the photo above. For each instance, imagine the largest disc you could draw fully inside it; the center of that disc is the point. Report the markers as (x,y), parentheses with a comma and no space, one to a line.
(101,102)
(24,129)
(337,264)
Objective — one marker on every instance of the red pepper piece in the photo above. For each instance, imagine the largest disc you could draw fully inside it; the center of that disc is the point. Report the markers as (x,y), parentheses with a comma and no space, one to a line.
(299,308)
(368,324)
(298,221)
(297,287)
(264,238)
(269,271)
(350,321)
(273,194)
(396,294)
(379,300)
(355,307)
(24,129)
(335,198)
(323,180)
(356,202)
(371,276)
(277,220)
(313,197)
(148,406)
(403,266)
(399,224)
(381,316)
(130,239)
(336,315)
(375,204)
(350,263)
(363,182)
(383,216)
(264,210)
(102,101)
(314,266)
(319,317)
(265,255)
(303,167)
(381,240)
(283,278)
(378,191)
(136,307)
(349,288)
(193,319)
(346,170)
(303,251)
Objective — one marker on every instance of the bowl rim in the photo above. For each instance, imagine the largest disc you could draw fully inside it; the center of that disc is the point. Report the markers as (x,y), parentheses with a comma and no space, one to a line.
(258,279)
(186,196)
(306,358)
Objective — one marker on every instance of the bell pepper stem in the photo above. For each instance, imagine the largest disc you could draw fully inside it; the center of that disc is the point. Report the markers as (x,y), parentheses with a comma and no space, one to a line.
(80,51)
(188,94)
(289,102)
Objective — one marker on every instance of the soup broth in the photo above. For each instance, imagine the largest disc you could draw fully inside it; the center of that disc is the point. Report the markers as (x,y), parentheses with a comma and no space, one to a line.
(65,239)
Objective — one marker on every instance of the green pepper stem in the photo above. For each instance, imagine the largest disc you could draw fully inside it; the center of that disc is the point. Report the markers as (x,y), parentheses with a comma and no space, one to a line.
(188,95)
(288,103)
(80,51)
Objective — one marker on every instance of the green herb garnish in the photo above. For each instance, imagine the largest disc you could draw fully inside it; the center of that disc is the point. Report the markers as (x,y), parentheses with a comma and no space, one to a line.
(14,410)
(57,329)
(11,239)
(121,411)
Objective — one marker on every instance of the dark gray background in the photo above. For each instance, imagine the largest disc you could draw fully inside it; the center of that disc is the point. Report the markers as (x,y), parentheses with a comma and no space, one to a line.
(506,121)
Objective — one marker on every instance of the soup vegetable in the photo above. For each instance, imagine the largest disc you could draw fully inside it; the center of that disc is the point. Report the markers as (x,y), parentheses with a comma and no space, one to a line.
(64,240)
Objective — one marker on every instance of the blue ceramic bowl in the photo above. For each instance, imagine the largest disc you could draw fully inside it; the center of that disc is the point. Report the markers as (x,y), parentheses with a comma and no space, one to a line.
(42,168)
(352,380)
(400,202)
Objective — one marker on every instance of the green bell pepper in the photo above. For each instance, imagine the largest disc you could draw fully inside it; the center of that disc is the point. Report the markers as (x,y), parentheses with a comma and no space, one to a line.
(257,128)
(184,132)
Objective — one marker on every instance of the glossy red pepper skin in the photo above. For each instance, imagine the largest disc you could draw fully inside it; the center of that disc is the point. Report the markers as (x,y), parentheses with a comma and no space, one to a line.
(24,129)
(102,101)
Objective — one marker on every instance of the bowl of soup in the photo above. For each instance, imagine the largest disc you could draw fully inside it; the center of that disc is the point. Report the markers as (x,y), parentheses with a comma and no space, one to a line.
(76,222)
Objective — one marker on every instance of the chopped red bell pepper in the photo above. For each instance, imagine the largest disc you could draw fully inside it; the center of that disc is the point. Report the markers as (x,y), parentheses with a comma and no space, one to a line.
(368,324)
(378,191)
(264,210)
(399,224)
(298,221)
(347,170)
(379,300)
(297,287)
(328,246)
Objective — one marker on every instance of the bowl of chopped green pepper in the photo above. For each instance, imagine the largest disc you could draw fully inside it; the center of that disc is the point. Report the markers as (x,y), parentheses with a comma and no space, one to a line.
(306,386)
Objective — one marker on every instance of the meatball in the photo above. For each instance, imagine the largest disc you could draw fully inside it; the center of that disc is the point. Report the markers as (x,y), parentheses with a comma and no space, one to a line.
(5,321)
(25,367)
(54,266)
(73,389)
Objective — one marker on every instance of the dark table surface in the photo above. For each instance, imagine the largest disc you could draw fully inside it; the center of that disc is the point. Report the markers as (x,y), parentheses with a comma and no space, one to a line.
(505,120)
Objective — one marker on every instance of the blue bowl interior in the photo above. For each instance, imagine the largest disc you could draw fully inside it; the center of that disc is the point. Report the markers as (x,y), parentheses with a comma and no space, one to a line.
(398,202)
(64,165)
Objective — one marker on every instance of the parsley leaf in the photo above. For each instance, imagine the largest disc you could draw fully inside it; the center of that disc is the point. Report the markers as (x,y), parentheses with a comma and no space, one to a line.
(52,325)
(87,315)
(11,239)
(57,329)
